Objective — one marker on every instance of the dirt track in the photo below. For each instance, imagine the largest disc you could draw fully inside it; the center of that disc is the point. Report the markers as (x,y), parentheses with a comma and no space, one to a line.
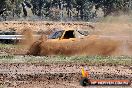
(56,75)
(67,75)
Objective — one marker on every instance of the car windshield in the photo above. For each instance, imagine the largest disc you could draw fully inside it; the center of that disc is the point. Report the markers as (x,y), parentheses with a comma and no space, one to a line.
(56,35)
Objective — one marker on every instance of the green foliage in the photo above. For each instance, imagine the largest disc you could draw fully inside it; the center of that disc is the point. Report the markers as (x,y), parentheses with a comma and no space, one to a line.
(2,4)
(84,8)
(90,60)
(113,6)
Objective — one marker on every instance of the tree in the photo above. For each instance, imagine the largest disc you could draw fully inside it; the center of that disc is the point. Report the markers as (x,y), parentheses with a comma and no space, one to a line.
(44,8)
(112,6)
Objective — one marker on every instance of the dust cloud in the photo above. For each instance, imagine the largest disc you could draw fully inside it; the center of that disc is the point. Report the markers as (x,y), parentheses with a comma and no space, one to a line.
(28,38)
(110,37)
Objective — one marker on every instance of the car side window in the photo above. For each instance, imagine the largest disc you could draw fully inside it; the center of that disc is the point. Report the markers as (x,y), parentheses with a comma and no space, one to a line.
(85,33)
(69,34)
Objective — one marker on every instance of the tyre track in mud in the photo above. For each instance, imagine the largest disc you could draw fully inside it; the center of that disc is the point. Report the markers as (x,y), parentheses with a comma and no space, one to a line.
(61,72)
(58,75)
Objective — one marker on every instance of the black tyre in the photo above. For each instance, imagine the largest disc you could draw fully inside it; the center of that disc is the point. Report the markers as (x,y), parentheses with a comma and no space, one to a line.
(85,82)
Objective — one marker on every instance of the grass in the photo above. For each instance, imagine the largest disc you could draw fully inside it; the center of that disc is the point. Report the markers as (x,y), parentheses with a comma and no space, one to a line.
(10,46)
(90,60)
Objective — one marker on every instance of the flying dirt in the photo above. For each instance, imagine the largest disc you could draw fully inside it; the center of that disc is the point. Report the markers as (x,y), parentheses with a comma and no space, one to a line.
(106,38)
(89,45)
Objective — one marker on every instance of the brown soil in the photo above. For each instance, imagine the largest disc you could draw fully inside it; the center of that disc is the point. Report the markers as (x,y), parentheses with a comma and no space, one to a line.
(66,75)
(56,75)
(42,25)
(107,39)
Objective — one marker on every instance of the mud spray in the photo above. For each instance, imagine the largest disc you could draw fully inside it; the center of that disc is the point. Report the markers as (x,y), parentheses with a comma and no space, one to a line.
(27,41)
(110,37)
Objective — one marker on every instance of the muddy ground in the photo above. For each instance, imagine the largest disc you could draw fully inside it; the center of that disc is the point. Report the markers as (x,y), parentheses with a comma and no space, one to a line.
(57,75)
(41,75)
